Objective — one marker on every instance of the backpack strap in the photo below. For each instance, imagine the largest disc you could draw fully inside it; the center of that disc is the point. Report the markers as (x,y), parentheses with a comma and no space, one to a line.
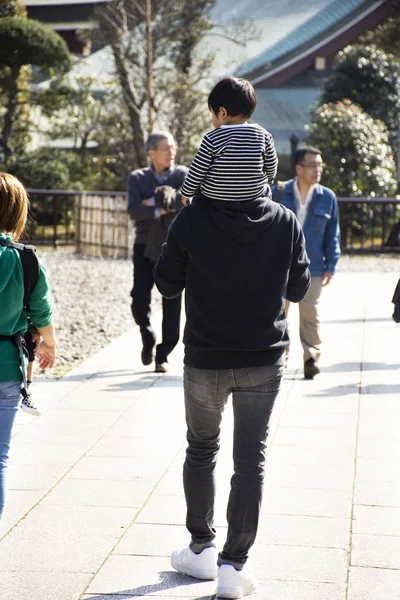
(30,266)
(18,339)
(280,187)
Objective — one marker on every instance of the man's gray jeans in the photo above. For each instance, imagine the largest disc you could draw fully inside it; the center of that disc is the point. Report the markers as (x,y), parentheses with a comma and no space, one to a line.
(254,391)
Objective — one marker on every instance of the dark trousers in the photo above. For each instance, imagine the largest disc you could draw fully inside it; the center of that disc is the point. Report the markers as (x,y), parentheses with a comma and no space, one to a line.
(143,282)
(254,391)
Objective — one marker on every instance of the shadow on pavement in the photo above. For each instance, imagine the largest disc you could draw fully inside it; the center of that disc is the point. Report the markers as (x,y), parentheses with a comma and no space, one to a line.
(100,375)
(365,390)
(169,580)
(357,366)
(381,388)
(387,319)
(147,382)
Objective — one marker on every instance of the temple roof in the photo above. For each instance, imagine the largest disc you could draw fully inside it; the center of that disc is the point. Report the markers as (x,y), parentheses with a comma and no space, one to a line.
(270,41)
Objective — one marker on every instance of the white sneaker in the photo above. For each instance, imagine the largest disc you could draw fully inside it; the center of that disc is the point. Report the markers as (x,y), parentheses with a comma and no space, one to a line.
(200,566)
(29,406)
(235,584)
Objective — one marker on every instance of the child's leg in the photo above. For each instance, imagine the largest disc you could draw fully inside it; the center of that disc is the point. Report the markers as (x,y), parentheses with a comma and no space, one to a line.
(27,403)
(29,371)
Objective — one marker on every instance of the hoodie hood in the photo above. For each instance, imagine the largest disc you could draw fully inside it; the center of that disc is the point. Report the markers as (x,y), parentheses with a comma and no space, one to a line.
(243,221)
(8,260)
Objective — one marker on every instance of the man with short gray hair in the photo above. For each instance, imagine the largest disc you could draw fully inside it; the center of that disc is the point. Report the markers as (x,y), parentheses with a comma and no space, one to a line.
(154,198)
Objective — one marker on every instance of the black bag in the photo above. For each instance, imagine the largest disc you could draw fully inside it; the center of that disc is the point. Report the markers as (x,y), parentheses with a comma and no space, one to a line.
(396,302)
(164,197)
(30,266)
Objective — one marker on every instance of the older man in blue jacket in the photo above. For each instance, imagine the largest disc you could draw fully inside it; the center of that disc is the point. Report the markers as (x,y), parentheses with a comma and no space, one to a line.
(316,209)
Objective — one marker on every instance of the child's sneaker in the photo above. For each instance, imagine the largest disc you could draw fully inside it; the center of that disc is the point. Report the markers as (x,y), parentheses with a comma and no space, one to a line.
(235,584)
(28,405)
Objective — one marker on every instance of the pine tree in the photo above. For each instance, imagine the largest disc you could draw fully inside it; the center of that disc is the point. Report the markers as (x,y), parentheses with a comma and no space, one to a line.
(25,42)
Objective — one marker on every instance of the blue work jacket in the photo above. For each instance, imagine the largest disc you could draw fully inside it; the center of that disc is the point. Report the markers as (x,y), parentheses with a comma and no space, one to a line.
(321,227)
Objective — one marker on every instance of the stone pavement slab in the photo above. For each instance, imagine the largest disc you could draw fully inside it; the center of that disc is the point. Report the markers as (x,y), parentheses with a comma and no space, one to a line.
(376,520)
(373,584)
(96,501)
(303,530)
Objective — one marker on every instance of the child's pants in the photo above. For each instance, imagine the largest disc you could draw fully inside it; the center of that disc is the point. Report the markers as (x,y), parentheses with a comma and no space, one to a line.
(10,396)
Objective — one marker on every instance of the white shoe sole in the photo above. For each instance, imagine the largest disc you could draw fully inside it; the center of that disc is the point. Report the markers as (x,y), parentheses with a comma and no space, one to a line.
(32,411)
(227,592)
(227,588)
(206,574)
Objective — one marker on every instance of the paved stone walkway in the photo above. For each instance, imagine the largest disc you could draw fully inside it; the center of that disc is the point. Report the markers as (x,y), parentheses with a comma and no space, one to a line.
(96,502)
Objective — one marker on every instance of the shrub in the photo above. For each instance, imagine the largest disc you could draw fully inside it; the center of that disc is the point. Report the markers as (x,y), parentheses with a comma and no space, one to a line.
(356,149)
(369,77)
(29,42)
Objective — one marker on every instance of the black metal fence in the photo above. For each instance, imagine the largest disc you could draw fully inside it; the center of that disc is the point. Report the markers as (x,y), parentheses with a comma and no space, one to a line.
(367,225)
(51,218)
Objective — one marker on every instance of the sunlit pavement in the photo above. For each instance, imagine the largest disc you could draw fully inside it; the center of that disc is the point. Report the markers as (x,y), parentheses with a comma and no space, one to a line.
(96,502)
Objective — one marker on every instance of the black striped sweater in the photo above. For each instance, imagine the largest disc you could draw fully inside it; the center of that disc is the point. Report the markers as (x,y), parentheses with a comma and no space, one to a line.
(234,162)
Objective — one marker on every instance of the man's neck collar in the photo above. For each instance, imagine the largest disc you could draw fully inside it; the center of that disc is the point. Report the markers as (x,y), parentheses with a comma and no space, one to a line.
(161,173)
(302,187)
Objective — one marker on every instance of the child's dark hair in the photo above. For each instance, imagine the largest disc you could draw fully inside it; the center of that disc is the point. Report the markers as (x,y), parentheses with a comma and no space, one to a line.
(237,96)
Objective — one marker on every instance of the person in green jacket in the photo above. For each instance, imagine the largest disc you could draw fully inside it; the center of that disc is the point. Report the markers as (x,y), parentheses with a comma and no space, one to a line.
(13,319)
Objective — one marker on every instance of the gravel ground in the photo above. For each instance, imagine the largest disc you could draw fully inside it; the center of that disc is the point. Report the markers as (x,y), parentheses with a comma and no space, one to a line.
(92,302)
(387,263)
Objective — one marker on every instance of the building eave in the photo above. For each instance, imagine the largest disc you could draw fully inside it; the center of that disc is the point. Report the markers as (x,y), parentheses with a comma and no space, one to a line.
(53,3)
(72,26)
(346,34)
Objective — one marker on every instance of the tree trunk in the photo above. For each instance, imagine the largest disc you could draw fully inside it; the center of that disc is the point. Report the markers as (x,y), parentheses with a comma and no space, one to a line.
(179,96)
(149,67)
(180,114)
(132,105)
(10,111)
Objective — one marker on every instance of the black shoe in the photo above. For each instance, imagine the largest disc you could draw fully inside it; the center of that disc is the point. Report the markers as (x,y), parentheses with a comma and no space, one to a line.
(310,369)
(161,367)
(147,355)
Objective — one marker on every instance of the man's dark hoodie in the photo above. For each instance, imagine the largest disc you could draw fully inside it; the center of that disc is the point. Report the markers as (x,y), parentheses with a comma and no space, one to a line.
(238,262)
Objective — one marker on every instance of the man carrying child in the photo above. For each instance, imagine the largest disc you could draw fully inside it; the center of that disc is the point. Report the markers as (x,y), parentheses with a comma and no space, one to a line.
(238,255)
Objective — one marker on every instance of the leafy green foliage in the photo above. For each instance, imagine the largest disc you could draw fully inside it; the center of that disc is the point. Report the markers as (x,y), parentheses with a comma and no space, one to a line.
(47,169)
(356,150)
(76,110)
(10,8)
(385,36)
(96,125)
(29,42)
(108,165)
(368,77)
(24,42)
(179,28)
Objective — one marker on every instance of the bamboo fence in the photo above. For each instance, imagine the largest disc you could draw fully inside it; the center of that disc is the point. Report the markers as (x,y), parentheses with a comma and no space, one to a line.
(103,227)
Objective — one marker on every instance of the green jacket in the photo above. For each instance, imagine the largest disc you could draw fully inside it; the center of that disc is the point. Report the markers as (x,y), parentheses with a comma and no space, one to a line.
(12,315)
